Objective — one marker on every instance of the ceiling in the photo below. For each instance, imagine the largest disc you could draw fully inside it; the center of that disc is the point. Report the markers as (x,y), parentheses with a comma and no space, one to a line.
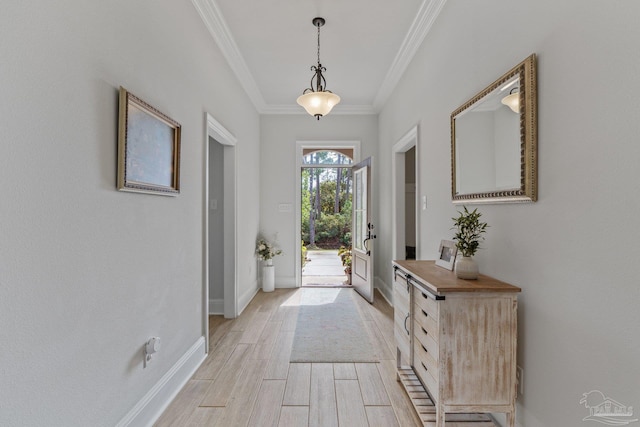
(365,45)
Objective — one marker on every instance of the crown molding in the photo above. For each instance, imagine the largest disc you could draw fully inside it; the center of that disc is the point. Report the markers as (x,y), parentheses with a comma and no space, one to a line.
(426,16)
(217,26)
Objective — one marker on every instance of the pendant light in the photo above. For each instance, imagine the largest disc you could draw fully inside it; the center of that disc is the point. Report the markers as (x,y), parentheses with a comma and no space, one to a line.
(317,100)
(512,100)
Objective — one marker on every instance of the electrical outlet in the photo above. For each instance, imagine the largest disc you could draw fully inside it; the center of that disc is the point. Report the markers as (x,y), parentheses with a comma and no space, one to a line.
(150,347)
(520,380)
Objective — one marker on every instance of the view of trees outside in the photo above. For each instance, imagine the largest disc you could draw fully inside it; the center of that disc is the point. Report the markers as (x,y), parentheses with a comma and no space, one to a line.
(326,201)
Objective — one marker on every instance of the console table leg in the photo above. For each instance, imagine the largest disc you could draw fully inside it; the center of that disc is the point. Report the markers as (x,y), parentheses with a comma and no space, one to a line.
(511,419)
(440,416)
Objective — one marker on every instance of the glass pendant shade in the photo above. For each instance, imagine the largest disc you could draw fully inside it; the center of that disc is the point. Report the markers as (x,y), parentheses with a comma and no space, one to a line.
(318,104)
(512,101)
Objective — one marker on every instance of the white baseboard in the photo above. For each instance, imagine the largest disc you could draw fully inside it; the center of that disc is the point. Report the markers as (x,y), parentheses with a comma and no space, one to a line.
(246,297)
(501,420)
(384,289)
(216,306)
(286,282)
(152,405)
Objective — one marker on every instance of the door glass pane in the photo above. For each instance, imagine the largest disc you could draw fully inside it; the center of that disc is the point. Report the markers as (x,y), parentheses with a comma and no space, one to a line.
(326,157)
(360,208)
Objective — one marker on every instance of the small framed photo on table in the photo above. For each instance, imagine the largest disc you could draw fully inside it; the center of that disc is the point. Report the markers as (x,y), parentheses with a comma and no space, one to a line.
(447,254)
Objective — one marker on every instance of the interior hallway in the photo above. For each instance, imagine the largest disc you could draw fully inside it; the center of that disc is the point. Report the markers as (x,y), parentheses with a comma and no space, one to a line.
(247,379)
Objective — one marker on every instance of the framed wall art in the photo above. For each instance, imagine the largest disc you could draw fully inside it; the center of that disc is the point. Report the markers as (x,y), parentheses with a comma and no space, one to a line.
(148,148)
(447,254)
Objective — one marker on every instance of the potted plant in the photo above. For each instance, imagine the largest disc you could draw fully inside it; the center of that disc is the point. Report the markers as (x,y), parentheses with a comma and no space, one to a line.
(469,232)
(266,251)
(345,255)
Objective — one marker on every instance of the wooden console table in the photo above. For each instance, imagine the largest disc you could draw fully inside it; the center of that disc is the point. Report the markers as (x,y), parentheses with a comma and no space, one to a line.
(456,342)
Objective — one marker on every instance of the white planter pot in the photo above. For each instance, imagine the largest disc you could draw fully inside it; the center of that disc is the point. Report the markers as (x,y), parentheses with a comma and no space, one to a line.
(268,278)
(466,268)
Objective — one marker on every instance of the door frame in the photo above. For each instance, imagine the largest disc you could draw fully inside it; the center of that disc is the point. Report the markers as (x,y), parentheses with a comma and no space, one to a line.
(214,130)
(404,144)
(300,147)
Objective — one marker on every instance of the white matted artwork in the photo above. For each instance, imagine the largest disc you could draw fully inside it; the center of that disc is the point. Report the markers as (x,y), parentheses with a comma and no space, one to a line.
(447,254)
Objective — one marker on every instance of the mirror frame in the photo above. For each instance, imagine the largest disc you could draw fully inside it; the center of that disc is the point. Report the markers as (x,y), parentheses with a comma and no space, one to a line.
(528,191)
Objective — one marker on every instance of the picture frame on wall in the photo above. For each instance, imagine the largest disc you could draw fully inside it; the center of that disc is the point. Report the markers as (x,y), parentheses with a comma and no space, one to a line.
(447,254)
(148,148)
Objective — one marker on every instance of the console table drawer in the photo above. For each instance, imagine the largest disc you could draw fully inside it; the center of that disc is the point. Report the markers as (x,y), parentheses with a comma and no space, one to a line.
(427,321)
(428,379)
(422,354)
(425,339)
(426,302)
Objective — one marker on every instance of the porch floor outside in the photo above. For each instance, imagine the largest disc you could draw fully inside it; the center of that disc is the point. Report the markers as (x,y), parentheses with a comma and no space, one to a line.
(323,268)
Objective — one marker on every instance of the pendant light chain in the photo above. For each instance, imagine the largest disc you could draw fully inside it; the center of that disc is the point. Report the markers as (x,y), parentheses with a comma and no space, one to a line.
(318,45)
(316,99)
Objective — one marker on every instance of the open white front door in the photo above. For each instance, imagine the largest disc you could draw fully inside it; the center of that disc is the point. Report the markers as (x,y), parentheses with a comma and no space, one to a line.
(362,231)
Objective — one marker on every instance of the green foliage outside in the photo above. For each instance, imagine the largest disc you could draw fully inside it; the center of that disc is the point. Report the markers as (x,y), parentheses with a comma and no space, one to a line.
(326,220)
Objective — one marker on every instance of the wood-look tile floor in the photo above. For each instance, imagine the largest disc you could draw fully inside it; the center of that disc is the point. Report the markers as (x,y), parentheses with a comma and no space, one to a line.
(247,379)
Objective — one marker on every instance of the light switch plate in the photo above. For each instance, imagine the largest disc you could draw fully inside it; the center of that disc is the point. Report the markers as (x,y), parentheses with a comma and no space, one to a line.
(285,207)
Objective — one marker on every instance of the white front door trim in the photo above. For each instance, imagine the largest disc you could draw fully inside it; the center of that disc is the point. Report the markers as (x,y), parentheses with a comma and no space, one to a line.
(300,147)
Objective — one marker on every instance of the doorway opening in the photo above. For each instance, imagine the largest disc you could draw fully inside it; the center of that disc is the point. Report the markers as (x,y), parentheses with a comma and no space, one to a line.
(326,216)
(405,192)
(220,270)
(410,203)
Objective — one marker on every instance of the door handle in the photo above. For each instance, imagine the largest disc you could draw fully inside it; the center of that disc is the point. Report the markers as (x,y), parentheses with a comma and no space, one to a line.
(405,323)
(370,236)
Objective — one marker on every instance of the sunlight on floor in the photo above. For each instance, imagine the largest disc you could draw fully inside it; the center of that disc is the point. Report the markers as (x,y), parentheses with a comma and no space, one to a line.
(313,296)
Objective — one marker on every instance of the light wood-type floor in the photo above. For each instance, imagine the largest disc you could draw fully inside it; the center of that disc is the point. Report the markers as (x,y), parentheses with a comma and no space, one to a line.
(247,379)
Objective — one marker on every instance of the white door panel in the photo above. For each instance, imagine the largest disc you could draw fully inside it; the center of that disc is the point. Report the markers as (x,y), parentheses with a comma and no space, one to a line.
(362,231)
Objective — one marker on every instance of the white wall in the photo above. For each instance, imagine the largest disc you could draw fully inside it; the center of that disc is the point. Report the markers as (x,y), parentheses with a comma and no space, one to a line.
(87,273)
(278,171)
(575,251)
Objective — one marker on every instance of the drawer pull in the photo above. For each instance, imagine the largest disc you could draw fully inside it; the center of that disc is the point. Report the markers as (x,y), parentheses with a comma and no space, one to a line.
(424,348)
(432,296)
(405,323)
(425,313)
(425,368)
(425,332)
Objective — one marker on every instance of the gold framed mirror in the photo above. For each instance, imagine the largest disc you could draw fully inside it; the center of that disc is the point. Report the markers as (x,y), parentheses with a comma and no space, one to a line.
(494,141)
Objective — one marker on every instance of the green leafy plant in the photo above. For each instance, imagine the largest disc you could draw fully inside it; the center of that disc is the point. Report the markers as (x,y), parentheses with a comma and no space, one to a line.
(303,254)
(345,254)
(469,230)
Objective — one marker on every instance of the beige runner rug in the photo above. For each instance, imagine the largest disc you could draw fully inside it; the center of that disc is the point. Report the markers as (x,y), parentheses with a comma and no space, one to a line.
(330,329)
